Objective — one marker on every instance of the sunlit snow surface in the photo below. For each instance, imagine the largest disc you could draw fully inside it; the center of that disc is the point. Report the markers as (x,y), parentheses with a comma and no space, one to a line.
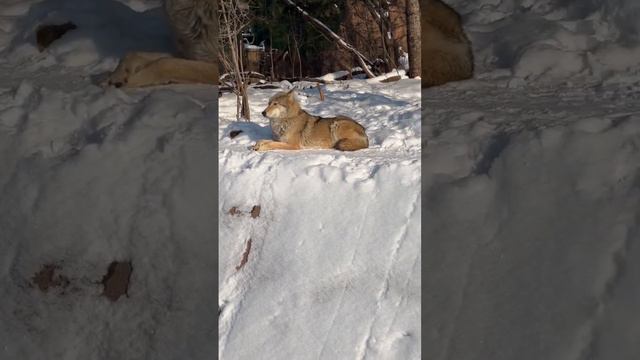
(530,200)
(334,267)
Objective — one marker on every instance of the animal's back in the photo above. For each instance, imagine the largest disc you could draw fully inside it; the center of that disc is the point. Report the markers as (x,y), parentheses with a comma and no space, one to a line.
(344,133)
(446,50)
(195,28)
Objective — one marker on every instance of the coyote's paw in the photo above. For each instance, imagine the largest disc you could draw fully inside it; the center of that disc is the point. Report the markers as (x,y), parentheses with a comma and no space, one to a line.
(261,145)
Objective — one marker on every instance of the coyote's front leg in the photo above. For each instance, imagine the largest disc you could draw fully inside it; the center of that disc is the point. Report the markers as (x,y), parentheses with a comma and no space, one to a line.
(266,145)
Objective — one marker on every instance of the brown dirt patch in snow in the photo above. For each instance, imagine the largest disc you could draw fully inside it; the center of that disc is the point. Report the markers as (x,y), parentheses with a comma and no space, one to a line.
(116,282)
(48,277)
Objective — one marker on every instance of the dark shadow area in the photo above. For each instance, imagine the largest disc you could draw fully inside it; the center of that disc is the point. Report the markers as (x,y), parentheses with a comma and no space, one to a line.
(251,130)
(373,99)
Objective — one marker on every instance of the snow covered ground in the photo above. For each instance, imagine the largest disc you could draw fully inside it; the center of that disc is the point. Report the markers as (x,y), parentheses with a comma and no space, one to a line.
(531,223)
(531,187)
(530,200)
(333,269)
(92,175)
(554,40)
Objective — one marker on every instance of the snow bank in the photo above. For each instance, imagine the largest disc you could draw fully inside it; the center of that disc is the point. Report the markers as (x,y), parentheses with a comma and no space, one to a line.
(531,192)
(89,178)
(551,41)
(531,206)
(333,270)
(92,175)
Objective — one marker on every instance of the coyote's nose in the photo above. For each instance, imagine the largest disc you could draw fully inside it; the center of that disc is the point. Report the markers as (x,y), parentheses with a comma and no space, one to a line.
(264,113)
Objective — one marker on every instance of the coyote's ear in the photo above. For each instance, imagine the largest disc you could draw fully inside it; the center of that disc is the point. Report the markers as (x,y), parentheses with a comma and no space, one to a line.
(290,92)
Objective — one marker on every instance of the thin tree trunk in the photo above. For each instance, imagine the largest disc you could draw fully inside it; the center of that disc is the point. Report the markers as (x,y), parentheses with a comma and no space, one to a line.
(246,111)
(413,37)
(273,72)
(244,82)
(381,13)
(295,44)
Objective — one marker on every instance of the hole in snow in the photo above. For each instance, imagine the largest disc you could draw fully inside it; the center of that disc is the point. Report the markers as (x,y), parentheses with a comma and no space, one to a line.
(116,282)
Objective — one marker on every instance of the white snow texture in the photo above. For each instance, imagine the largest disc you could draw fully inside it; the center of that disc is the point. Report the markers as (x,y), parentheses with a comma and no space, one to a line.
(531,187)
(334,266)
(91,175)
(529,199)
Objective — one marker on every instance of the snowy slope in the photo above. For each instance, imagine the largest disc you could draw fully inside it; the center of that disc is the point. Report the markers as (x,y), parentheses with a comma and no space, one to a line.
(532,207)
(333,271)
(531,187)
(92,175)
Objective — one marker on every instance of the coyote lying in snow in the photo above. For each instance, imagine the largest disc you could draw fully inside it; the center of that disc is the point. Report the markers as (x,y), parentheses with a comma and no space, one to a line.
(446,50)
(294,128)
(194,25)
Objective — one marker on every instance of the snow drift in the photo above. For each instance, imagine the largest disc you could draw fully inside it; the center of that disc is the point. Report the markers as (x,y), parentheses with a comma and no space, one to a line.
(531,185)
(531,230)
(90,176)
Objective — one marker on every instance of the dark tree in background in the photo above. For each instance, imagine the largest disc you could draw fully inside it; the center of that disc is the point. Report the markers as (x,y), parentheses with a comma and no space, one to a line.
(413,37)
(296,44)
(307,38)
(337,39)
(380,10)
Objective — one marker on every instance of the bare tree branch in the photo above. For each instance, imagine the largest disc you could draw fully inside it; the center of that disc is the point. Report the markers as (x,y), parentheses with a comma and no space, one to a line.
(234,19)
(364,62)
